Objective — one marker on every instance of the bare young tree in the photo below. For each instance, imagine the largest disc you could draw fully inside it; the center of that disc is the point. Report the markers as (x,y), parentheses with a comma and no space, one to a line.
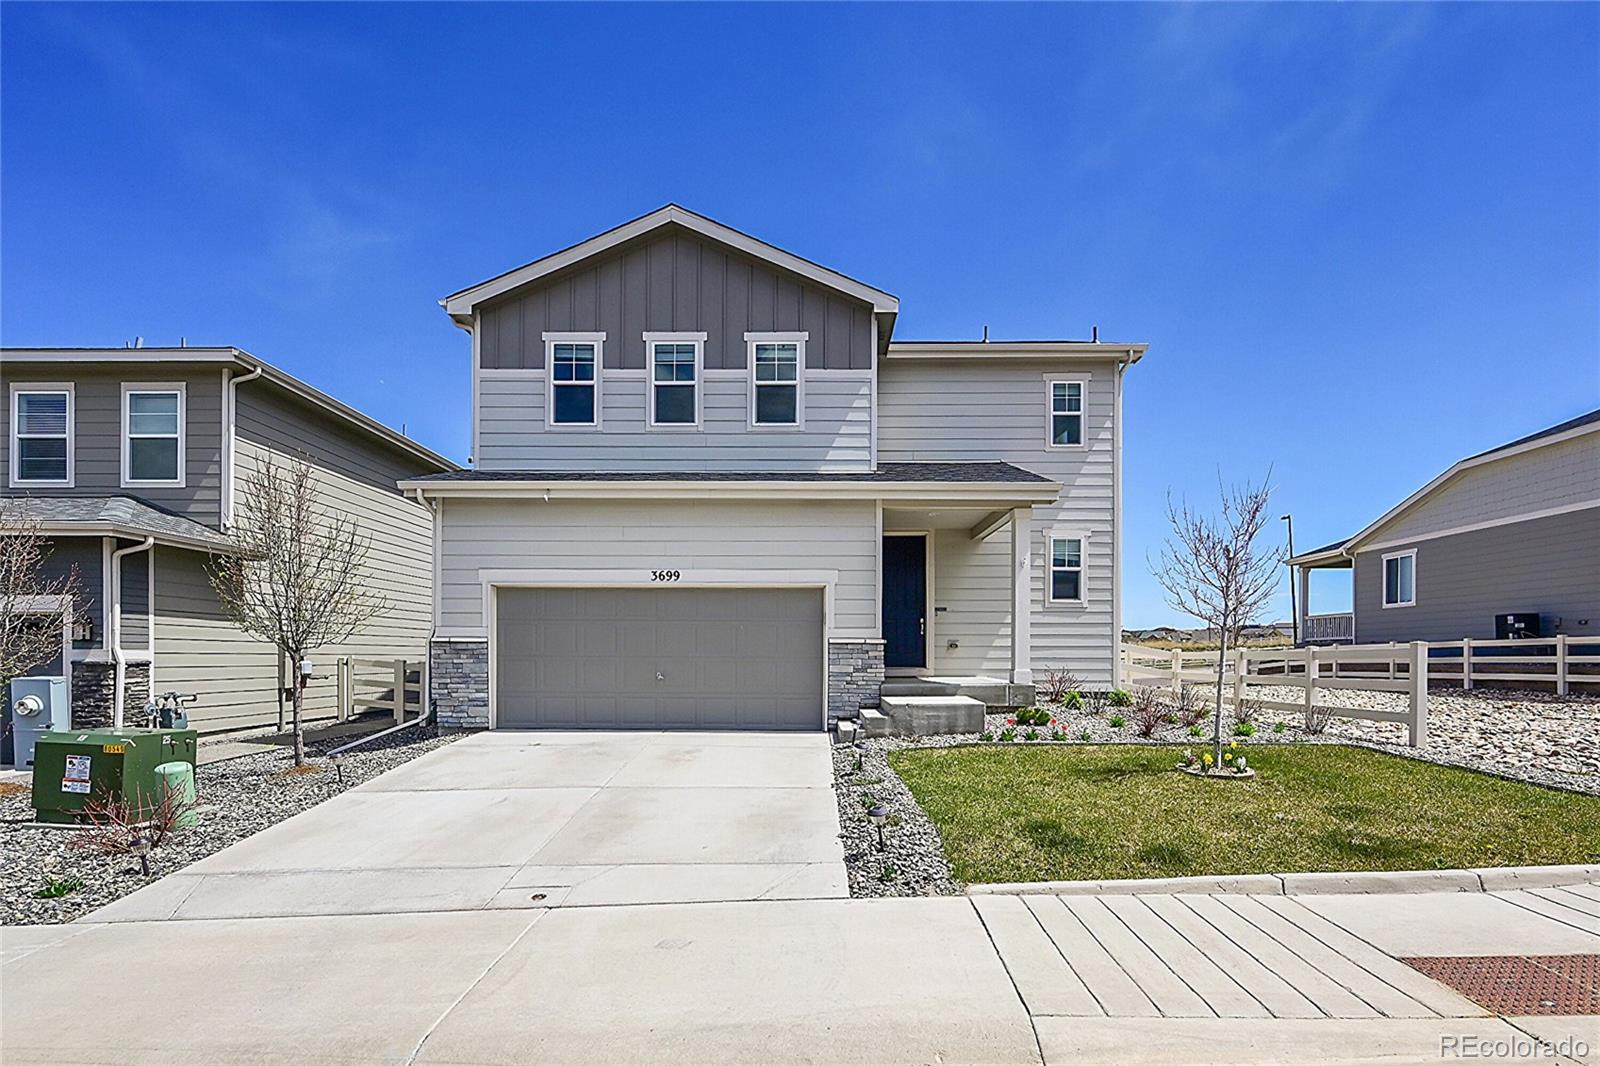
(1212,570)
(296,576)
(34,606)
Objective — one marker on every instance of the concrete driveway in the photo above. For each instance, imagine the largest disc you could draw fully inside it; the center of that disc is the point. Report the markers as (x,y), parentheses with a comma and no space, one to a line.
(538,819)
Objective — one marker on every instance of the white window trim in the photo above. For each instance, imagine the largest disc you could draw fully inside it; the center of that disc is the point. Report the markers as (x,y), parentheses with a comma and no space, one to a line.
(550,342)
(1383,580)
(72,417)
(1050,537)
(1050,413)
(699,342)
(799,341)
(128,389)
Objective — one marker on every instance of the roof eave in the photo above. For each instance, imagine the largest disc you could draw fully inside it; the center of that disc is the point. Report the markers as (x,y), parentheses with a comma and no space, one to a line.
(1037,350)
(459,305)
(129,531)
(978,493)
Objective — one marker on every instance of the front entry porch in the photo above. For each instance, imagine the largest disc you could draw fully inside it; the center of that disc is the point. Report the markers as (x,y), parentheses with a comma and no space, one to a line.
(956,617)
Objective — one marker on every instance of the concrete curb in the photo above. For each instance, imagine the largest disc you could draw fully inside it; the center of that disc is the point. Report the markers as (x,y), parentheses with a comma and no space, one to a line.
(1491,879)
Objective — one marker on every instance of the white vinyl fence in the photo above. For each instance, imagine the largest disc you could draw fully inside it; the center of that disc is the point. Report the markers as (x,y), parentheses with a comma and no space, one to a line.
(394,685)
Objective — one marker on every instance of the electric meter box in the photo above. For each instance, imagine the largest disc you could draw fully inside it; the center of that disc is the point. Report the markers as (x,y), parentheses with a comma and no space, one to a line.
(74,768)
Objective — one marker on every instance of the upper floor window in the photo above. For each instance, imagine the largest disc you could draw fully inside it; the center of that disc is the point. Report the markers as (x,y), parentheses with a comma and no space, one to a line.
(775,381)
(1066,414)
(674,378)
(1400,579)
(152,434)
(574,398)
(1066,569)
(41,435)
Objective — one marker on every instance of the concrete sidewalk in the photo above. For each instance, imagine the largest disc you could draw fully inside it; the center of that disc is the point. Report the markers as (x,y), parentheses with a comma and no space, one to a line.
(1148,979)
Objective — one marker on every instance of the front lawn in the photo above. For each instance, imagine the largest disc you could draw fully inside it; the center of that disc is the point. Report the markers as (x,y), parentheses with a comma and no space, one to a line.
(1091,812)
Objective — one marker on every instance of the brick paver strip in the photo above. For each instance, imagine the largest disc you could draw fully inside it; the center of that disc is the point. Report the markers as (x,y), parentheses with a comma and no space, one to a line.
(1520,984)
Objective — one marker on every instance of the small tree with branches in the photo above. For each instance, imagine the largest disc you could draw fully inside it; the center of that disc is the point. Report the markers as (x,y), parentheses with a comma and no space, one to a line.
(1211,569)
(296,576)
(34,605)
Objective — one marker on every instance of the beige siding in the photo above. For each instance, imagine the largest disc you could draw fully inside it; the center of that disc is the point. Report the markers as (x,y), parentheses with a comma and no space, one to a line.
(932,410)
(644,535)
(97,426)
(236,677)
(1556,475)
(836,435)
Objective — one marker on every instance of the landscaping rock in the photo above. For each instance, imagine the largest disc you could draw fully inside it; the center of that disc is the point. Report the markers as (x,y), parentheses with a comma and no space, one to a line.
(238,797)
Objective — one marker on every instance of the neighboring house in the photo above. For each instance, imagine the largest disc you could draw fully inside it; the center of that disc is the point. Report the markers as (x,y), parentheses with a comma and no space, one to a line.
(133,458)
(1514,530)
(711,490)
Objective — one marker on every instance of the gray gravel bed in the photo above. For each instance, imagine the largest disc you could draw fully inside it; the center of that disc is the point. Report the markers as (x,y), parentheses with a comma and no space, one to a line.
(912,863)
(237,798)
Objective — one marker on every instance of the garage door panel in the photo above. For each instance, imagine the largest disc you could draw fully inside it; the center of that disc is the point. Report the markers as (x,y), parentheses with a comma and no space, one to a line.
(659,658)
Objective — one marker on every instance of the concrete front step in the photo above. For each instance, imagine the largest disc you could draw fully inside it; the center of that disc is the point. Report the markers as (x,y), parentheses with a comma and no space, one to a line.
(873,723)
(993,692)
(920,716)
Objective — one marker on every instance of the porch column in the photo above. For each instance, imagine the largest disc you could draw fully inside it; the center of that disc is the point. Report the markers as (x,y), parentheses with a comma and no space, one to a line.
(1302,575)
(1021,596)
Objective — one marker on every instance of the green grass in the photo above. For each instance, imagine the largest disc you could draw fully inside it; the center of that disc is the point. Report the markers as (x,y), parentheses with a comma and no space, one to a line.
(1044,814)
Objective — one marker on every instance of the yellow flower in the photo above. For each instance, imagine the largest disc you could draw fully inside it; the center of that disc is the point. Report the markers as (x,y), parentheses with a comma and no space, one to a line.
(1208,758)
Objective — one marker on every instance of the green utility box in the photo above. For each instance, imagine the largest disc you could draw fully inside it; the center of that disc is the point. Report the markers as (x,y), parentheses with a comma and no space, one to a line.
(72,768)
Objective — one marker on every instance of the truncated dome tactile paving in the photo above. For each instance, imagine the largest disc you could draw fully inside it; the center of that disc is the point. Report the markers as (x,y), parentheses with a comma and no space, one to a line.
(1520,984)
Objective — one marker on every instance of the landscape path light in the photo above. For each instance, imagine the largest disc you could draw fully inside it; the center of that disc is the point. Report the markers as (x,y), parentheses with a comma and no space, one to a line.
(878,814)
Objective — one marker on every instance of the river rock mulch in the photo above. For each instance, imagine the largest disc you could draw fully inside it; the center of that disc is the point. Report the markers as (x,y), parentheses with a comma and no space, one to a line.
(1534,737)
(237,798)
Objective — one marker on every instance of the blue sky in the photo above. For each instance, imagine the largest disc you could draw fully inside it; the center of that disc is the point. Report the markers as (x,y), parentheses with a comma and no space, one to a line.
(1362,241)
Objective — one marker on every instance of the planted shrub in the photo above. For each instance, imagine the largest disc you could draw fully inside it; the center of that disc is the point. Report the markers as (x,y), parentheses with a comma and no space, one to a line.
(1196,731)
(1073,700)
(1188,706)
(1316,719)
(1096,700)
(1119,698)
(1056,685)
(1084,735)
(1277,727)
(1244,729)
(1032,734)
(1148,711)
(986,736)
(1008,734)
(1246,711)
(1117,722)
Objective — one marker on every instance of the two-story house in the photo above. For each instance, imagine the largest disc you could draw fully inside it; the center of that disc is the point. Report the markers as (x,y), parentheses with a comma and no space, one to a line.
(131,460)
(710,489)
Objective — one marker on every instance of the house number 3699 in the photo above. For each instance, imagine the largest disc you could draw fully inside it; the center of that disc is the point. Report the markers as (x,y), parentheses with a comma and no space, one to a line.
(666,575)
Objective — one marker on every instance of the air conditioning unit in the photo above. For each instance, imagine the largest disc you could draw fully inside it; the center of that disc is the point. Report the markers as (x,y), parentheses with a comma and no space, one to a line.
(1516,625)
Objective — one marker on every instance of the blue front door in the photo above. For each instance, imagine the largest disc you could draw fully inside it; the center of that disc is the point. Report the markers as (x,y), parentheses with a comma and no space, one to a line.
(905,600)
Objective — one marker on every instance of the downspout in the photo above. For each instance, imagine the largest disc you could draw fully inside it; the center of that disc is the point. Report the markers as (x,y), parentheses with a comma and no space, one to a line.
(121,666)
(232,401)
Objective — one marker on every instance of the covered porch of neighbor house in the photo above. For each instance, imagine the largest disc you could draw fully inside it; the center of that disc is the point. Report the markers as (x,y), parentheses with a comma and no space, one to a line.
(1323,627)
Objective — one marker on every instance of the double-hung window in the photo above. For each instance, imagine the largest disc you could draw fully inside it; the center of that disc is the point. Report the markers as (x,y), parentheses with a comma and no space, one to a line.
(41,435)
(1066,414)
(674,378)
(776,361)
(1400,579)
(1066,568)
(574,379)
(152,434)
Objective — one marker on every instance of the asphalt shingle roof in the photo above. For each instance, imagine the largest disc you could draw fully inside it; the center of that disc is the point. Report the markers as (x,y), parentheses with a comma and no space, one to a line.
(124,512)
(935,473)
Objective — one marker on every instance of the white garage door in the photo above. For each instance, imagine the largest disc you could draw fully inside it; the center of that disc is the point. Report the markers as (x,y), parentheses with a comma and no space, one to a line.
(659,658)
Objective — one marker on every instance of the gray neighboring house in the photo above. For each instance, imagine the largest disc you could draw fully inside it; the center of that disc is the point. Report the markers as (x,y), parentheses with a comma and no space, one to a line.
(1515,529)
(710,489)
(131,460)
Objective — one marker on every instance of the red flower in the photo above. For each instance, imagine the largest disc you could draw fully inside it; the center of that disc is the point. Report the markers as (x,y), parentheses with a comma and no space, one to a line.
(1011,721)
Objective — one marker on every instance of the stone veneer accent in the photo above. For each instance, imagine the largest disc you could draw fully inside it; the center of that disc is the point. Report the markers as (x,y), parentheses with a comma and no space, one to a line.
(460,683)
(93,689)
(855,671)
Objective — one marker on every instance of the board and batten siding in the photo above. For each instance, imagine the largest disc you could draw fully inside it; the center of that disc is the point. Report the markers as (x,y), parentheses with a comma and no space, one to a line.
(97,432)
(837,434)
(236,676)
(674,280)
(1549,565)
(1545,478)
(758,537)
(946,409)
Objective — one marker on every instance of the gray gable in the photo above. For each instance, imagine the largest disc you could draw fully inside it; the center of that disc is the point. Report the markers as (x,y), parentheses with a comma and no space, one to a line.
(673,279)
